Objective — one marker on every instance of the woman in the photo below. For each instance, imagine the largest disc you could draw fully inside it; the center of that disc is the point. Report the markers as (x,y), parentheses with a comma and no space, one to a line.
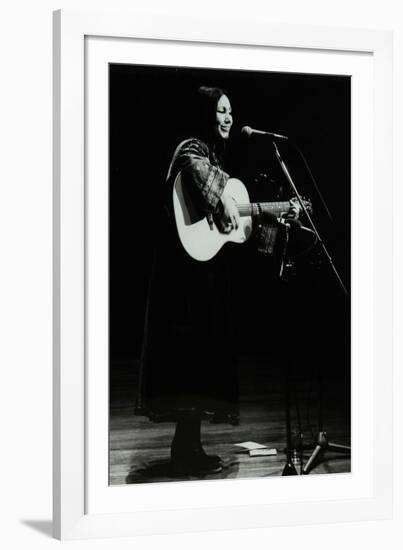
(188,367)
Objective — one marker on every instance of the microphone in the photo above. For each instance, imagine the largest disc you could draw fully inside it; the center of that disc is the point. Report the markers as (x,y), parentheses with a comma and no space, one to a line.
(249,132)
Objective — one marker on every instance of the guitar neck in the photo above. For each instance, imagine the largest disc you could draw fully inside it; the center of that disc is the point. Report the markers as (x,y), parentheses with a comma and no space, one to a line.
(253,208)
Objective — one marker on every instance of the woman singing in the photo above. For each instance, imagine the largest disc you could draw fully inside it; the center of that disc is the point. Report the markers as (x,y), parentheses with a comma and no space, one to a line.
(188,367)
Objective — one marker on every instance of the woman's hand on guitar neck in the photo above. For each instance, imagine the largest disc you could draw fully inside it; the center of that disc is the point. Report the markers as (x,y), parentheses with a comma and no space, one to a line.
(295,209)
(228,218)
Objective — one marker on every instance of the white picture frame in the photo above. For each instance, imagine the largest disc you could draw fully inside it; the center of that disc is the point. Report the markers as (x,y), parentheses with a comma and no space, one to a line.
(73,200)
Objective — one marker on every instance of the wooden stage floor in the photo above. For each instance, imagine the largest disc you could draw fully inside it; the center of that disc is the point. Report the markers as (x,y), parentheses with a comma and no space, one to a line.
(139,448)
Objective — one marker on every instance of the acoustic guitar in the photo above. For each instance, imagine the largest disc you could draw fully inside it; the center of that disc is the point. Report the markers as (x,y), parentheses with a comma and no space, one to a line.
(202,240)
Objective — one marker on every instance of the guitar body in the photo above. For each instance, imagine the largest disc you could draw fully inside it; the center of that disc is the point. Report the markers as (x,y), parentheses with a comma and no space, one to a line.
(201,241)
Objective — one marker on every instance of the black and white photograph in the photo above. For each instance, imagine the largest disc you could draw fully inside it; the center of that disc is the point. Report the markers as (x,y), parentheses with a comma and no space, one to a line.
(229,274)
(202,263)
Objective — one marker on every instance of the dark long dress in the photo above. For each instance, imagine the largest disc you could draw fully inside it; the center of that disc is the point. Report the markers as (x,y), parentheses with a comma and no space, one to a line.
(188,360)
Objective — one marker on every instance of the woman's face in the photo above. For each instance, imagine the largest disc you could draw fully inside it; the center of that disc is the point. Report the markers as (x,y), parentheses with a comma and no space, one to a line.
(223,117)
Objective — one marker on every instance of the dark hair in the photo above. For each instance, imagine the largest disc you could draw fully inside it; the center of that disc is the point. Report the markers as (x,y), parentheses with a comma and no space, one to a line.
(207,99)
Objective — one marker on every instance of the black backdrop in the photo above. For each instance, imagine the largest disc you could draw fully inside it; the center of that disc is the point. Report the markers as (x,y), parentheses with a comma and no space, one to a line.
(150,112)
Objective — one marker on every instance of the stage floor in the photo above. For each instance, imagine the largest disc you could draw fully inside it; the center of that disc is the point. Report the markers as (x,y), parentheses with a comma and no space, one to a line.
(140,449)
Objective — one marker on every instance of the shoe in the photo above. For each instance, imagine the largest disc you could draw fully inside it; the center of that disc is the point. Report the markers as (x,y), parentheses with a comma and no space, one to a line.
(200,453)
(190,453)
(196,465)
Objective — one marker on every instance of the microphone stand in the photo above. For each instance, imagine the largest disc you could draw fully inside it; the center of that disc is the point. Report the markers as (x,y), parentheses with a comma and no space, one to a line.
(322,439)
(289,468)
(311,223)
